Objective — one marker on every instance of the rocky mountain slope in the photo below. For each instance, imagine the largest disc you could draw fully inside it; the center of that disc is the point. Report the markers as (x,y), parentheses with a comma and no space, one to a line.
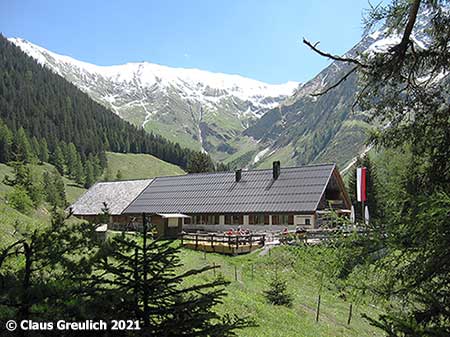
(308,129)
(199,109)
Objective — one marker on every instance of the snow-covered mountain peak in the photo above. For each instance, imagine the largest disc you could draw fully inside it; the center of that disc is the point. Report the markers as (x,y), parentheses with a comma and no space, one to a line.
(200,82)
(196,108)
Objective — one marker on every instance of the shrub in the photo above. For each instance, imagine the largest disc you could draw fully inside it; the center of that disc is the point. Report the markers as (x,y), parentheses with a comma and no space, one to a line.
(277,293)
(18,198)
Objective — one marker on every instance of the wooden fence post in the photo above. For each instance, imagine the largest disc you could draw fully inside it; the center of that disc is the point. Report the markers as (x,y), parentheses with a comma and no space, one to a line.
(350,312)
(196,241)
(235,273)
(318,309)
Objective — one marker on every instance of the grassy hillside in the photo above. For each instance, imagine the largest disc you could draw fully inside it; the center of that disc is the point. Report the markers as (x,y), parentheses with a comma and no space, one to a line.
(299,267)
(139,166)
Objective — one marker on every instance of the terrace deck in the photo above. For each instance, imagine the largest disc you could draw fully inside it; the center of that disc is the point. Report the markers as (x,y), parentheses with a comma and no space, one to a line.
(223,244)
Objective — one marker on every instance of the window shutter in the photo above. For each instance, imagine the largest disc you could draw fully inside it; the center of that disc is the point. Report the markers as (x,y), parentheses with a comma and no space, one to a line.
(290,219)
(266,219)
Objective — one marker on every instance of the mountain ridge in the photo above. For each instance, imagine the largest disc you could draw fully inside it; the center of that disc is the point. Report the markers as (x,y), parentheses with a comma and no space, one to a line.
(198,109)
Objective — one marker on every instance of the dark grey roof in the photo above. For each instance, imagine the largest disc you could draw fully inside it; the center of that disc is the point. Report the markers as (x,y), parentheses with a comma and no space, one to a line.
(298,189)
(116,194)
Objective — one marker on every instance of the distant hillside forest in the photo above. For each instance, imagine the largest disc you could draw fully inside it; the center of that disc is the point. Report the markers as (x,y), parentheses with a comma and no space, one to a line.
(42,107)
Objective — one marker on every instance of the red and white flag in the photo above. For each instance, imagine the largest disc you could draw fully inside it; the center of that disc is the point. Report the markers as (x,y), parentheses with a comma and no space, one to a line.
(361,183)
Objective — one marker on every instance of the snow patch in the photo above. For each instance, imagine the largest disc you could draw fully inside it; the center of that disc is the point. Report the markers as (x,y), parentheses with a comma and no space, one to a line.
(261,154)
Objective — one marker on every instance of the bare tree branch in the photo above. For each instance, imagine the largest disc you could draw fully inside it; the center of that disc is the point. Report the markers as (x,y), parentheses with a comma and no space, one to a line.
(333,57)
(342,79)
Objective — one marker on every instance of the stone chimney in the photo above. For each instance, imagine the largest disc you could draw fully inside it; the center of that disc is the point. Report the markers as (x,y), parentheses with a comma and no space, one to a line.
(276,169)
(238,175)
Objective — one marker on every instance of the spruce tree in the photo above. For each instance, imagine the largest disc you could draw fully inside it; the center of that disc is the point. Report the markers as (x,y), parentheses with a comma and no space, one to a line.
(49,188)
(277,293)
(71,160)
(138,279)
(42,287)
(78,170)
(58,160)
(89,174)
(43,151)
(22,148)
(60,189)
(6,142)
(200,162)
(36,148)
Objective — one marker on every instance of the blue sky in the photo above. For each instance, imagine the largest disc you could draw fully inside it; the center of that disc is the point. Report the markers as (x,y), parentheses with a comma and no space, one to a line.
(254,38)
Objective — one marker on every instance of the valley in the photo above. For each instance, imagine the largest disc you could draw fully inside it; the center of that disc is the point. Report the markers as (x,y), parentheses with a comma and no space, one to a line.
(236,120)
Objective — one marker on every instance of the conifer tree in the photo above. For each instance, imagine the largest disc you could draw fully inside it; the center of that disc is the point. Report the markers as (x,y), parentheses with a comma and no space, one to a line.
(78,171)
(60,189)
(58,160)
(35,146)
(43,151)
(49,188)
(138,279)
(22,147)
(42,287)
(6,141)
(71,159)
(200,162)
(26,179)
(89,174)
(277,293)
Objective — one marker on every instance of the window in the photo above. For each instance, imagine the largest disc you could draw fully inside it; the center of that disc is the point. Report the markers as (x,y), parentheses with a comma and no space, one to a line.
(210,220)
(284,219)
(236,220)
(275,220)
(307,222)
(259,219)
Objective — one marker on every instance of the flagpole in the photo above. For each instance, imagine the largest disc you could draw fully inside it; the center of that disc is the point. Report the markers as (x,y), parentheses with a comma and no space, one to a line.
(362,212)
